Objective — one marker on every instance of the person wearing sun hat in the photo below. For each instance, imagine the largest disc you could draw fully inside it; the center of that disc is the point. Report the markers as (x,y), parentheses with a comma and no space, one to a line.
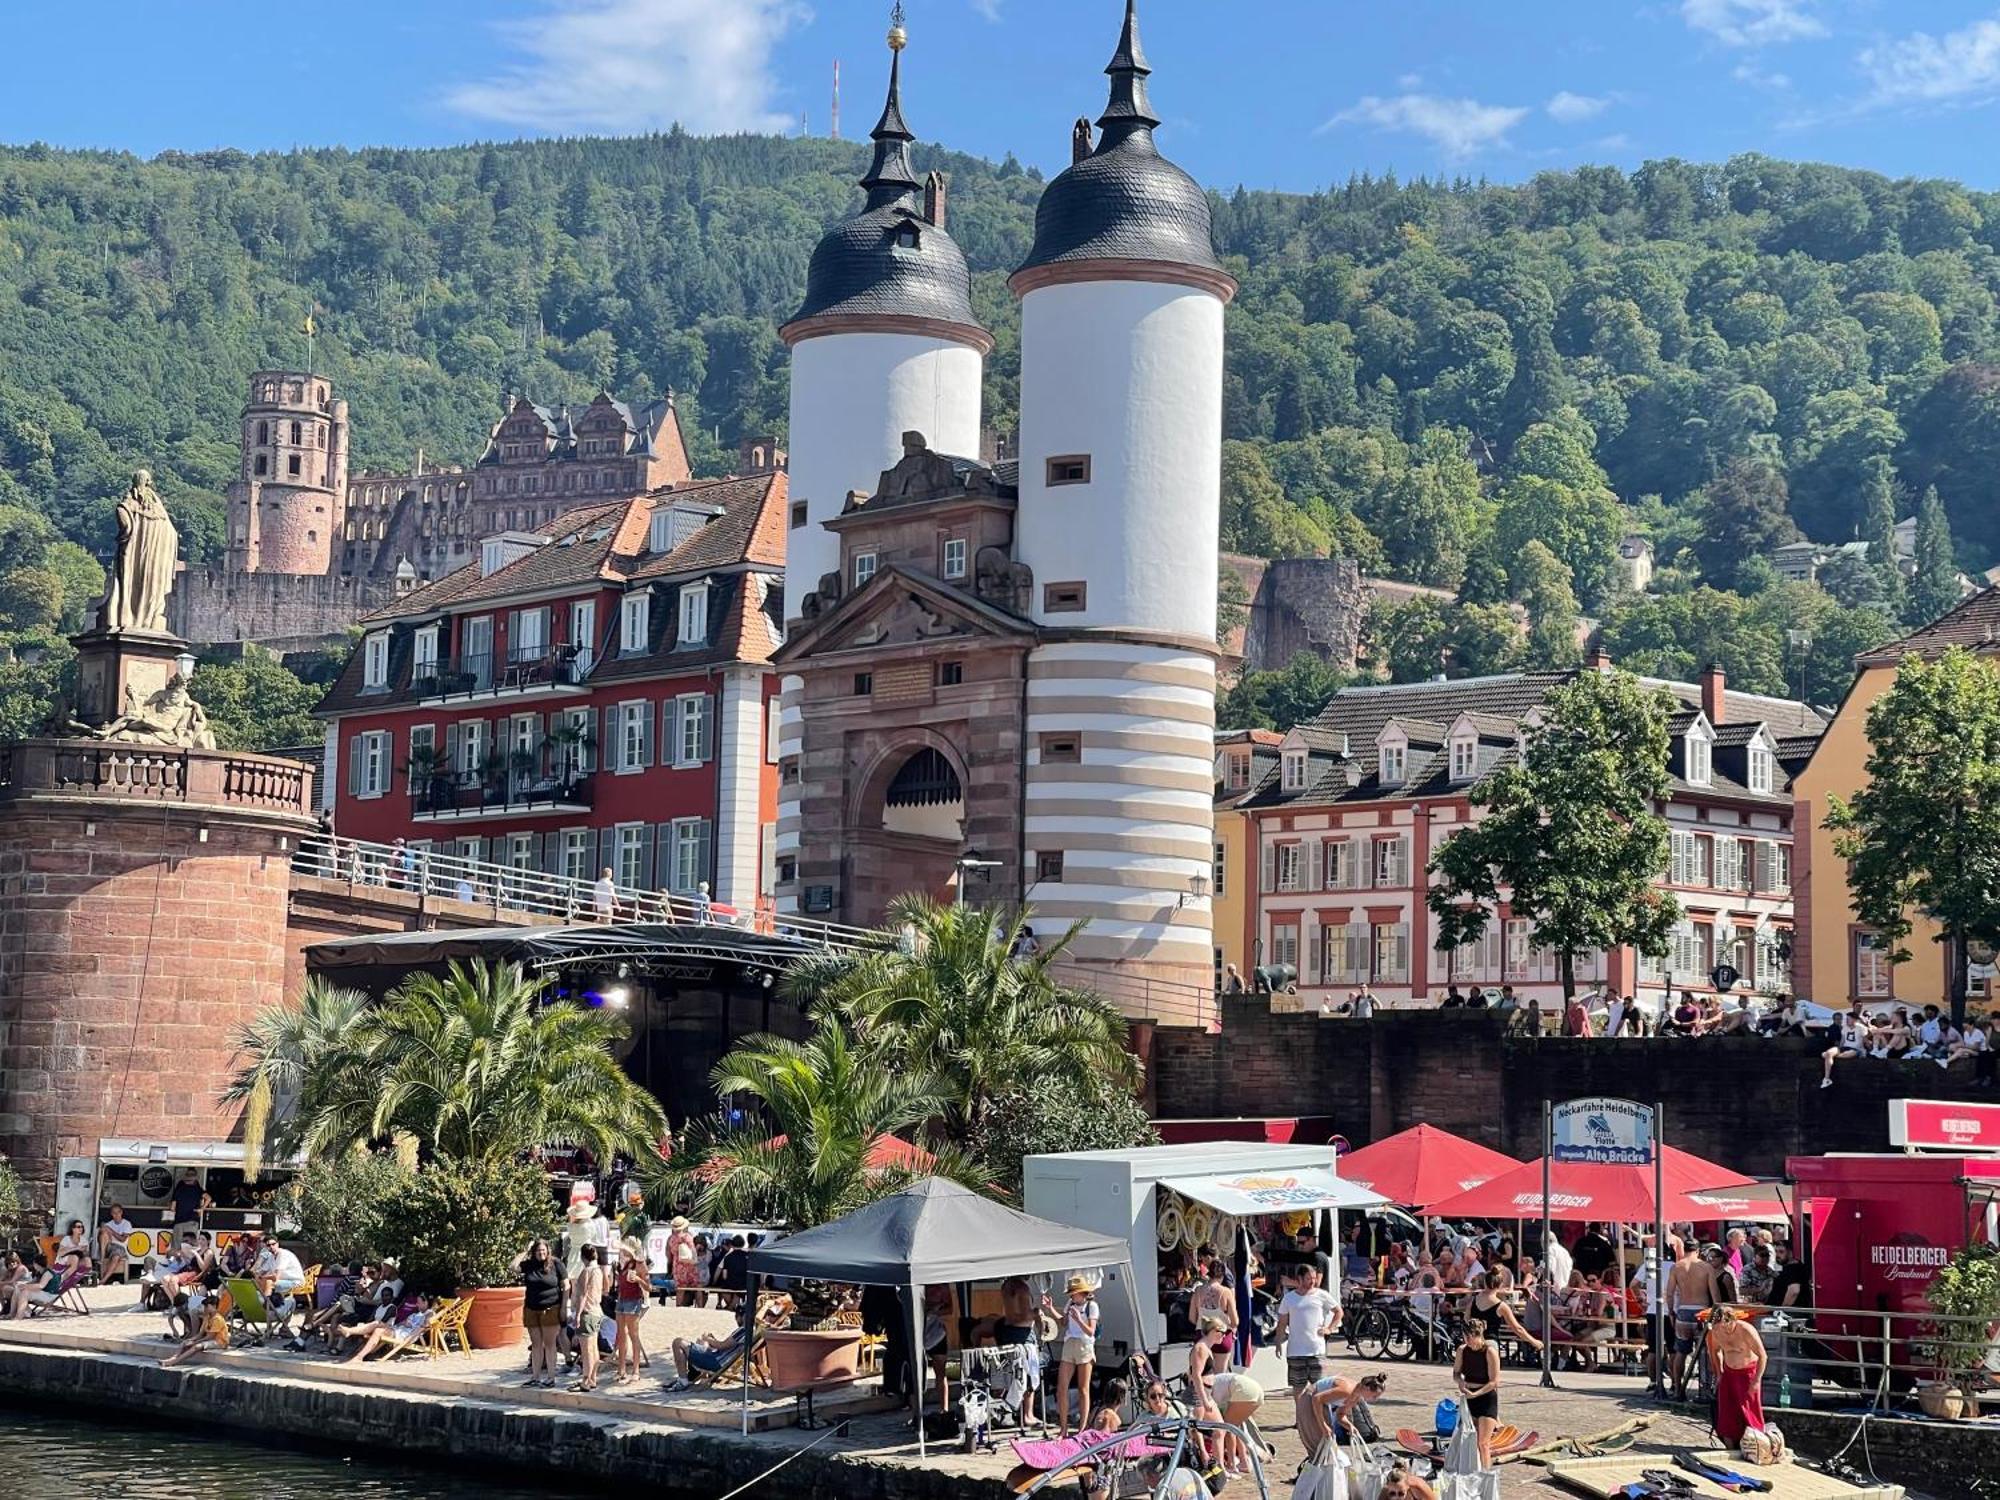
(1079,1350)
(581,1227)
(683,1261)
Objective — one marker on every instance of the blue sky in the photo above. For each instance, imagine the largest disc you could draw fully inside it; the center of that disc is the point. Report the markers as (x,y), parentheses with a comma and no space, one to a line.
(1274,93)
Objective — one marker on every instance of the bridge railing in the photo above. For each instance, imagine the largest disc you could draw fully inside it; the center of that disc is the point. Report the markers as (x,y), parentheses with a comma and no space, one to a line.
(513,894)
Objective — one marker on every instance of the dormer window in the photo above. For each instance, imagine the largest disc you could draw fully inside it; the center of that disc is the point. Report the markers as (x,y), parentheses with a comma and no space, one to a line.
(906,236)
(1763,769)
(1464,758)
(864,567)
(375,660)
(634,623)
(1700,766)
(1293,770)
(1239,770)
(1395,762)
(694,614)
(660,533)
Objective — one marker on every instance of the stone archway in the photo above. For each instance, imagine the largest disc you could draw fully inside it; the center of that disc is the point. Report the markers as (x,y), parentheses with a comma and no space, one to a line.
(905,826)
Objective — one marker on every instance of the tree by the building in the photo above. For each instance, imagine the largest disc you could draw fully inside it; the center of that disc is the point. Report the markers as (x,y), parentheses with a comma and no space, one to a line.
(1934,591)
(1743,516)
(1542,585)
(1278,700)
(1568,836)
(1923,836)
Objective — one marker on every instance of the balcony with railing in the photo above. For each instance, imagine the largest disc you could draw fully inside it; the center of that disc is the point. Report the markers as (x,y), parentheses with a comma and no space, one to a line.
(519,672)
(449,797)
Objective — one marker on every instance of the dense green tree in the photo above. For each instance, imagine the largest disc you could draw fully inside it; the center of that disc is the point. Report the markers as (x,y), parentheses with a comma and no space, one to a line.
(1568,832)
(1743,516)
(1923,835)
(1541,583)
(1934,588)
(1878,530)
(255,703)
(1293,694)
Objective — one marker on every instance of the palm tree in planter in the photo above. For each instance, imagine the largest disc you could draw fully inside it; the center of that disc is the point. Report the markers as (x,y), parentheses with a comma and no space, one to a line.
(479,1068)
(425,770)
(950,1003)
(569,743)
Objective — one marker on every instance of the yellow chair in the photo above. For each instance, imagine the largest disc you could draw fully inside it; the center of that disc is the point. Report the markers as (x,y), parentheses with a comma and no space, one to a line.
(446,1324)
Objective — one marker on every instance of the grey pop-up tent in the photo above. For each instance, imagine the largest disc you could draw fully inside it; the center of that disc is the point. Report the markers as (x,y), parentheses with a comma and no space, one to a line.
(935,1231)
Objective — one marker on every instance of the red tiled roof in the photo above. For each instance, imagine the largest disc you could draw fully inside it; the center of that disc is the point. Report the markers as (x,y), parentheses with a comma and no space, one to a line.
(1975,625)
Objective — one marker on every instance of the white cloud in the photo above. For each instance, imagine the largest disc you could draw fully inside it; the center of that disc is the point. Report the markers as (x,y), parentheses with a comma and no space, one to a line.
(987,8)
(1759,78)
(1925,69)
(1458,127)
(1618,142)
(630,65)
(1410,81)
(1754,23)
(1570,108)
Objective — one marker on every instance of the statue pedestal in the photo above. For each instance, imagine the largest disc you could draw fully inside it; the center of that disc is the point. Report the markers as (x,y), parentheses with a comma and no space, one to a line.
(114,665)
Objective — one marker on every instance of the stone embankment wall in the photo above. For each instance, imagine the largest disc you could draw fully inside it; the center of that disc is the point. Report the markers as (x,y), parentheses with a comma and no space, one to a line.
(1748,1102)
(409,1427)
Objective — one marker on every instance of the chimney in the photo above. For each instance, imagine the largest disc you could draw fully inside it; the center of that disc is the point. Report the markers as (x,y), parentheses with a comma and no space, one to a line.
(1713,680)
(1599,659)
(936,186)
(1079,140)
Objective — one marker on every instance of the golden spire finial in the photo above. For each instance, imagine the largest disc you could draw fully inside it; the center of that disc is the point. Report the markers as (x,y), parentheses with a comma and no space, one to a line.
(898,37)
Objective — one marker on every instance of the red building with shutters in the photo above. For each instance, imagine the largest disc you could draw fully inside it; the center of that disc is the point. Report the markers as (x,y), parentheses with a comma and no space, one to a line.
(594,693)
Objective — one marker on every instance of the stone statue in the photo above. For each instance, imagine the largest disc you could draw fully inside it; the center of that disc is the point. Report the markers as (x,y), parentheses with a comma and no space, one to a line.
(169,717)
(142,572)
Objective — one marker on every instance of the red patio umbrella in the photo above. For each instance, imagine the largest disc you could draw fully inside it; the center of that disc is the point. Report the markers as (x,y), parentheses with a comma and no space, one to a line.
(886,1153)
(1417,1167)
(1588,1190)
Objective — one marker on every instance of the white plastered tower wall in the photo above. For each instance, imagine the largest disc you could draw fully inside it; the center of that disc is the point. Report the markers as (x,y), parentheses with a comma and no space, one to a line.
(1126,374)
(854,395)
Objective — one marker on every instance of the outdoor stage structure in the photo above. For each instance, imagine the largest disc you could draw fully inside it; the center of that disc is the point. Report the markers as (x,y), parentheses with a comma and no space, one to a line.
(688,992)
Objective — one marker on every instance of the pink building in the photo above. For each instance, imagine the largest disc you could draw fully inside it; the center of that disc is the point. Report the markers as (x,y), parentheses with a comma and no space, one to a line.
(1345,824)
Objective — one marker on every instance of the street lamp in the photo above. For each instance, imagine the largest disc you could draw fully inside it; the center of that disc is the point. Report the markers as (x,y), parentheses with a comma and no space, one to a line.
(184,664)
(966,863)
(1197,890)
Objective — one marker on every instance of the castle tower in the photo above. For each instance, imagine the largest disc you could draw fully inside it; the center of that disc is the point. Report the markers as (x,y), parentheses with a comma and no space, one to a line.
(1121,448)
(289,502)
(885,343)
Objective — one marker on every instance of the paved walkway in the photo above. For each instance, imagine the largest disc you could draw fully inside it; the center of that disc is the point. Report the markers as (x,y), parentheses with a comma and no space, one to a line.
(1583,1403)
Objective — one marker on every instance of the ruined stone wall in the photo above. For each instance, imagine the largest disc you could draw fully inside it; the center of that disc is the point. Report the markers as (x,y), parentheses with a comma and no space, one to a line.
(210,606)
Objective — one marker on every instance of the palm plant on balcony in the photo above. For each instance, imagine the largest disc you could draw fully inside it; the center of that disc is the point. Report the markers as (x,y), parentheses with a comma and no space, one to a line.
(569,744)
(425,770)
(493,773)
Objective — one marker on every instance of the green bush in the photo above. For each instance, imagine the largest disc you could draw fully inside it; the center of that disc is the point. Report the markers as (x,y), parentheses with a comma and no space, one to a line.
(14,1215)
(458,1224)
(1965,1296)
(1051,1115)
(337,1204)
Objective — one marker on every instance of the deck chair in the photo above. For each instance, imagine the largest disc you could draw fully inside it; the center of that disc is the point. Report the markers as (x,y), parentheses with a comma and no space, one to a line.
(420,1340)
(67,1299)
(730,1372)
(447,1323)
(258,1321)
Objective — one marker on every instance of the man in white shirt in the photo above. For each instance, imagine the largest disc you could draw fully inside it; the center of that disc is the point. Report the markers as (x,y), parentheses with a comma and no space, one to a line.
(1364,1004)
(1930,1035)
(277,1271)
(1556,1262)
(604,897)
(113,1258)
(1307,1316)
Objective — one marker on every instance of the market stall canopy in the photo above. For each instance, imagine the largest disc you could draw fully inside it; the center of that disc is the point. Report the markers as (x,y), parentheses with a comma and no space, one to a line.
(1421,1165)
(1756,1203)
(1590,1190)
(936,1231)
(1282,1190)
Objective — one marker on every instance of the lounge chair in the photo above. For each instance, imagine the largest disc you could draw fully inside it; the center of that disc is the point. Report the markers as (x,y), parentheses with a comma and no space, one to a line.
(730,1371)
(258,1320)
(447,1322)
(67,1298)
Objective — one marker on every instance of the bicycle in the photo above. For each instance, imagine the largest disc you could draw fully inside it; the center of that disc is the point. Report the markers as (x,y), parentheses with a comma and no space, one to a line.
(1395,1330)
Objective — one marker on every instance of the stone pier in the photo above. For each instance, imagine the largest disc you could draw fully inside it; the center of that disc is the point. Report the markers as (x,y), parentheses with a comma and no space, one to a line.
(143,894)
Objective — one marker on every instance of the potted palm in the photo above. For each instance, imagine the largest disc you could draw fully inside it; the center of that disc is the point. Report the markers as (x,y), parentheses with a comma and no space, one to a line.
(569,742)
(1964,1299)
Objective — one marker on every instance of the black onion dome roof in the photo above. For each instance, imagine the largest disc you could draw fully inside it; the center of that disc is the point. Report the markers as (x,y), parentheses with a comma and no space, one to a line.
(1124,201)
(889,259)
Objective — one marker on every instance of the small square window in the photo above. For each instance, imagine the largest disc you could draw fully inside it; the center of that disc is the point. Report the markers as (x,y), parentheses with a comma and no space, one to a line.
(950,673)
(788,871)
(954,557)
(1064,749)
(864,684)
(864,567)
(292,465)
(1049,865)
(798,514)
(1062,598)
(1070,468)
(788,770)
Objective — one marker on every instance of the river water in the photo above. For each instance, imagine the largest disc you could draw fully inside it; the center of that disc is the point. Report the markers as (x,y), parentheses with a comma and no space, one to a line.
(45,1456)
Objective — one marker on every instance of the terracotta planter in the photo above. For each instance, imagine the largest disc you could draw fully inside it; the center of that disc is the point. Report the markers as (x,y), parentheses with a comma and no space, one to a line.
(1937,1399)
(495,1319)
(798,1358)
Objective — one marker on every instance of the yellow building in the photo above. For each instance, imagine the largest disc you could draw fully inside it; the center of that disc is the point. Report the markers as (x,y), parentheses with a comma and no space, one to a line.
(1243,757)
(1833,960)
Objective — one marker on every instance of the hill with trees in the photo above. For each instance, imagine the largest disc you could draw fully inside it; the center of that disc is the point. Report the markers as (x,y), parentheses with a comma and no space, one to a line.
(1467,385)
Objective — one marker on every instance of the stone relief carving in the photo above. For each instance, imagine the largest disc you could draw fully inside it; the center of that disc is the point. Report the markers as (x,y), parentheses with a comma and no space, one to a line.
(168,717)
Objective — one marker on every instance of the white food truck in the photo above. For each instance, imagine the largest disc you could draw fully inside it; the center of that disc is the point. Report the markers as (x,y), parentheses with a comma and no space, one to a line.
(1160,1198)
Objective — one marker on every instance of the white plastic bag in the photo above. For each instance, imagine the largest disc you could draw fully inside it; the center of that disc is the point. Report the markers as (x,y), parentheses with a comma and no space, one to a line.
(1368,1466)
(1324,1478)
(1462,1478)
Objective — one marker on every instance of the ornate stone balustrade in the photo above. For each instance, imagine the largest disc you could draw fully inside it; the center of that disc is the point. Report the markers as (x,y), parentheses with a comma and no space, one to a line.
(32,770)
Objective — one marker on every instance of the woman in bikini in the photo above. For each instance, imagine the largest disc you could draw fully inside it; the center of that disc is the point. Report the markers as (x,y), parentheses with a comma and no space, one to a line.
(1476,1373)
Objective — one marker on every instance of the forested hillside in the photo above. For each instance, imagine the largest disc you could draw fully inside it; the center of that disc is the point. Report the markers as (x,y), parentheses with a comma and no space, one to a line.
(1473,386)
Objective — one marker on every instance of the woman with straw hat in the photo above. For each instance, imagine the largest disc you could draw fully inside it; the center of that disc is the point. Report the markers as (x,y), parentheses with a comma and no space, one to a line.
(683,1261)
(1079,1351)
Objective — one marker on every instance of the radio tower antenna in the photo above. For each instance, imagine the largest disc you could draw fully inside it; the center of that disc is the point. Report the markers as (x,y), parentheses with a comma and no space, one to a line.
(836,99)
